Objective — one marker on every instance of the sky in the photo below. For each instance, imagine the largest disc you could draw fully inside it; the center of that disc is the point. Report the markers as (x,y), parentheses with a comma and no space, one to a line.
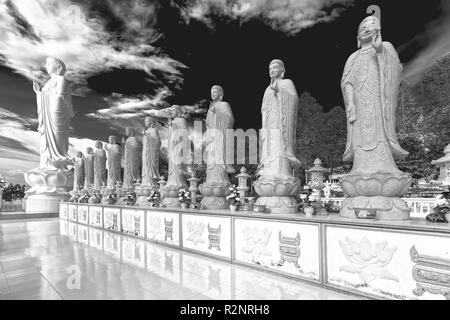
(127,59)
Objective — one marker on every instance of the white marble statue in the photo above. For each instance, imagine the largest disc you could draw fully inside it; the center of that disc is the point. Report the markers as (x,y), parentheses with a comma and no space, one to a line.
(150,153)
(51,181)
(114,151)
(178,132)
(132,159)
(54,102)
(370,85)
(177,123)
(99,166)
(218,120)
(78,177)
(89,168)
(277,185)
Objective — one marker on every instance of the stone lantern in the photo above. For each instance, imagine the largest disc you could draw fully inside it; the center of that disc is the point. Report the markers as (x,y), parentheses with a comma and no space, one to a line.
(316,182)
(193,186)
(243,176)
(444,167)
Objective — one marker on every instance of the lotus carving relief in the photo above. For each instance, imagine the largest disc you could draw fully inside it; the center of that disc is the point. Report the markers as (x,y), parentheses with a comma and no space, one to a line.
(214,190)
(49,182)
(277,187)
(256,240)
(368,261)
(170,191)
(378,184)
(195,232)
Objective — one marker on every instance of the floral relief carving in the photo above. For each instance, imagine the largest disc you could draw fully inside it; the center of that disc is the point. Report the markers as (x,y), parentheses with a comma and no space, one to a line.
(367,260)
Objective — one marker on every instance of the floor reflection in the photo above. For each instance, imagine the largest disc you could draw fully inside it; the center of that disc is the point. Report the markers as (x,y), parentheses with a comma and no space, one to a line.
(35,257)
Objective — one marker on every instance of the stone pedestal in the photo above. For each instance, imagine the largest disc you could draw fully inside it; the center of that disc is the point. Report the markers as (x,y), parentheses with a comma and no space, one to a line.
(278,195)
(377,194)
(214,196)
(170,196)
(143,194)
(48,188)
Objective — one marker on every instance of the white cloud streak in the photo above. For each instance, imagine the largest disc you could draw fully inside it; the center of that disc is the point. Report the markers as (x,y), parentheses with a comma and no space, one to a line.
(290,16)
(59,28)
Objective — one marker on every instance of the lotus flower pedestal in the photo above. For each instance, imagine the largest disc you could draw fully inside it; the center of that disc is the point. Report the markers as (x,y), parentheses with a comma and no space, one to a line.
(143,195)
(376,193)
(170,196)
(278,195)
(48,189)
(214,196)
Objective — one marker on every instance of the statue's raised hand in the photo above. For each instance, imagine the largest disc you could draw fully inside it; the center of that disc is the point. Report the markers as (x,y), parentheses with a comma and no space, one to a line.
(377,43)
(274,85)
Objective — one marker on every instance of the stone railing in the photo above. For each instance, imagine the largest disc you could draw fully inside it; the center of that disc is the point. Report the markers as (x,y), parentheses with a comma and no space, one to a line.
(420,207)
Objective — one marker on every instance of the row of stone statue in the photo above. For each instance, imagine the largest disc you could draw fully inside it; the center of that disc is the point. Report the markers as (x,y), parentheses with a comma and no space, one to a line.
(370,85)
(102,168)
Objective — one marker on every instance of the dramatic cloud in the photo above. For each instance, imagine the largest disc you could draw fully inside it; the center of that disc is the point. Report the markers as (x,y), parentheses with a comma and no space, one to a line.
(33,30)
(290,16)
(439,35)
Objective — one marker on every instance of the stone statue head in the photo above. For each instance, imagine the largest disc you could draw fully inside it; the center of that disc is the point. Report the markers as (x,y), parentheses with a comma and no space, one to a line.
(129,131)
(217,93)
(276,69)
(98,144)
(55,66)
(149,122)
(79,154)
(89,150)
(367,29)
(112,140)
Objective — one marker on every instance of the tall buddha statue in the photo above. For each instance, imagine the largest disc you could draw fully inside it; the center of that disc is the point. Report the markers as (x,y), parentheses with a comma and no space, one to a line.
(370,86)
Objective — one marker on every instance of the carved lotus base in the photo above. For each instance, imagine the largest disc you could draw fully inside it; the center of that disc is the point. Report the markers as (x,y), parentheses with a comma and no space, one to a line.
(171,202)
(214,190)
(278,204)
(171,191)
(214,203)
(277,187)
(385,208)
(143,201)
(143,190)
(378,184)
(48,188)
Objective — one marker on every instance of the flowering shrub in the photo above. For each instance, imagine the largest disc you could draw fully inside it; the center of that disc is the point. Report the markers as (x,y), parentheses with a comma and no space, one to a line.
(184,196)
(234,196)
(154,197)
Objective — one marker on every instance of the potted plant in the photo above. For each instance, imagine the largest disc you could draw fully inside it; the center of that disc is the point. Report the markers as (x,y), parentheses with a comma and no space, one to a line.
(441,213)
(307,199)
(184,197)
(154,197)
(233,198)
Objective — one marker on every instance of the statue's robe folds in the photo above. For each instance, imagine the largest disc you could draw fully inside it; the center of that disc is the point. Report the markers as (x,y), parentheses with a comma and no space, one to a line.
(150,156)
(79,174)
(99,168)
(132,162)
(218,120)
(89,171)
(178,135)
(114,168)
(54,113)
(277,136)
(371,140)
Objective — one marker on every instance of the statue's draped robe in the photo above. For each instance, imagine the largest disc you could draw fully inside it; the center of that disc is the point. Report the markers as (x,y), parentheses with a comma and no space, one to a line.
(79,174)
(178,134)
(371,140)
(150,157)
(132,162)
(114,168)
(217,123)
(89,171)
(99,168)
(54,113)
(279,117)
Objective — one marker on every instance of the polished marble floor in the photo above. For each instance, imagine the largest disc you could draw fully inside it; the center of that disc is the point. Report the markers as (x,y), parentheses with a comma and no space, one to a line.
(53,259)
